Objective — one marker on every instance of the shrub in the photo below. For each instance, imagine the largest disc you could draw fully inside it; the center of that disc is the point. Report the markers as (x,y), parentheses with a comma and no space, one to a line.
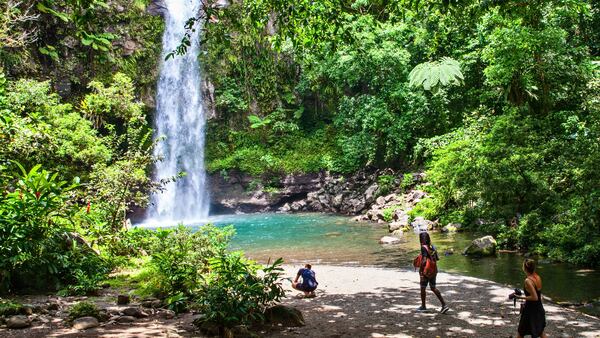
(235,293)
(9,308)
(388,213)
(407,181)
(83,309)
(385,183)
(35,217)
(180,256)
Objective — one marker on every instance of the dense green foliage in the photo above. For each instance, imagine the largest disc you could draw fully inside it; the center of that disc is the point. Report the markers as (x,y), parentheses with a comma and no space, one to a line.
(498,99)
(194,269)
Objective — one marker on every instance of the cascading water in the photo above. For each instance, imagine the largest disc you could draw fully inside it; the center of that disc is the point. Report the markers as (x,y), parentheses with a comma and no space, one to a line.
(180,118)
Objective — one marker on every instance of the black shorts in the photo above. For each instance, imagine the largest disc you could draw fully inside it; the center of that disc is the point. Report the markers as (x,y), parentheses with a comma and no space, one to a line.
(430,281)
(305,288)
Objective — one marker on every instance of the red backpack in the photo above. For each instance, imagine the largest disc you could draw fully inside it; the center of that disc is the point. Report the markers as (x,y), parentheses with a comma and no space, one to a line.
(430,269)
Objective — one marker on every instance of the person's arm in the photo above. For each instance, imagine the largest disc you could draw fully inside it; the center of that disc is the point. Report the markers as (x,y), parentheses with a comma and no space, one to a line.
(297,276)
(531,290)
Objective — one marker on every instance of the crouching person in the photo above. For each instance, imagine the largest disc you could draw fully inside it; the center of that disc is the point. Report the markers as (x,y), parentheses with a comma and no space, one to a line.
(309,282)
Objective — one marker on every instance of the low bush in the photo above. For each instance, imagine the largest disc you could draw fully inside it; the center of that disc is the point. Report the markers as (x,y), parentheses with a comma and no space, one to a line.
(385,183)
(180,256)
(236,291)
(9,308)
(83,309)
(36,248)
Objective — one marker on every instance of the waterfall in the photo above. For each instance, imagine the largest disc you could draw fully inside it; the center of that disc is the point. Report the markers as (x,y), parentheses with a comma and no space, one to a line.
(181,120)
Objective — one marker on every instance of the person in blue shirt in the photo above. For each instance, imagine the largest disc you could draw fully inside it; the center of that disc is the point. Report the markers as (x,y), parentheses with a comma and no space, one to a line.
(309,282)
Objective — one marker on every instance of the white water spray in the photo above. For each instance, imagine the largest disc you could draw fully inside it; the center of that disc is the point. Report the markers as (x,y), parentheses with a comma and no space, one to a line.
(180,118)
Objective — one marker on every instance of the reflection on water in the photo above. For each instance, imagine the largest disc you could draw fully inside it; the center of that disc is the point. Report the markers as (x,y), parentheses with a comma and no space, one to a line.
(327,239)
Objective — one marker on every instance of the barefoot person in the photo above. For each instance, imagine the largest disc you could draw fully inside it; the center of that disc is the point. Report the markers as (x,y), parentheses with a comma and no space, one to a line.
(428,252)
(533,315)
(309,282)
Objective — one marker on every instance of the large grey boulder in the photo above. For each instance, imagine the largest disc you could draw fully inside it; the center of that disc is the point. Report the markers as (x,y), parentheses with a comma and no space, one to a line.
(397,233)
(370,192)
(151,303)
(337,200)
(396,226)
(401,218)
(391,198)
(422,224)
(298,205)
(357,205)
(85,323)
(285,208)
(452,227)
(484,246)
(18,322)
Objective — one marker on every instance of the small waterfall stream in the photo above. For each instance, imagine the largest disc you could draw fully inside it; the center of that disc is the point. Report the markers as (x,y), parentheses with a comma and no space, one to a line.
(181,120)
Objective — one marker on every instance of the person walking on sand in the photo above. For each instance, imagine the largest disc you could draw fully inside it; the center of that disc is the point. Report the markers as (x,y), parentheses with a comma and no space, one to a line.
(428,252)
(533,315)
(309,282)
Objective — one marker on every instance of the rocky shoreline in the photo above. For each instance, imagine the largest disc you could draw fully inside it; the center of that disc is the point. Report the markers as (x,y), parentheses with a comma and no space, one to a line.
(381,196)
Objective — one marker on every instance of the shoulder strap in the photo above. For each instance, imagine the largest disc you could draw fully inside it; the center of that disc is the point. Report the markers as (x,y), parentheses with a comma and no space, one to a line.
(428,251)
(534,283)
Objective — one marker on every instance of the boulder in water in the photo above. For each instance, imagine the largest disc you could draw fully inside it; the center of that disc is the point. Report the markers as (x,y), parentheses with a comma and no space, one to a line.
(422,224)
(452,227)
(396,226)
(398,233)
(389,240)
(484,246)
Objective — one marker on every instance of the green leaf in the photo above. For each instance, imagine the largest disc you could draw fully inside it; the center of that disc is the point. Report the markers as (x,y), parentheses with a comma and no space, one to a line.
(430,75)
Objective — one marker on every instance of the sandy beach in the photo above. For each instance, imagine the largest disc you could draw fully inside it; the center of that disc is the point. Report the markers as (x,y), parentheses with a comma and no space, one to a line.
(375,302)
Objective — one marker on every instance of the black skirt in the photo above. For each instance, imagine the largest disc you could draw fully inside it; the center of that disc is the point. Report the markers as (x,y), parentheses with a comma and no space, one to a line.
(533,317)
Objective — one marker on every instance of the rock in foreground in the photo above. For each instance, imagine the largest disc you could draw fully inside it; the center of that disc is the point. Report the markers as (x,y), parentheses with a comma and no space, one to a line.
(85,323)
(285,315)
(18,322)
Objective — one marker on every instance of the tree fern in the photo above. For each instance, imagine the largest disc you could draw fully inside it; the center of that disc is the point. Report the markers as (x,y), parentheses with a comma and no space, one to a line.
(430,75)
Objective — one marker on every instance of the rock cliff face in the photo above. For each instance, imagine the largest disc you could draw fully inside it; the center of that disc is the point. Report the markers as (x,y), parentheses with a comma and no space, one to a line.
(322,192)
(242,193)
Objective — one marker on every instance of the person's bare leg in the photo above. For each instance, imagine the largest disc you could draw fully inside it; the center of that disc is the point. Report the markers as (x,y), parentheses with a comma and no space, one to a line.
(423,296)
(519,335)
(439,295)
(544,335)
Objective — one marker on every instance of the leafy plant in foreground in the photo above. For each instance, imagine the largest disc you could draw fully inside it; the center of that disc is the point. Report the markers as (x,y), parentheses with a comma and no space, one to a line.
(236,291)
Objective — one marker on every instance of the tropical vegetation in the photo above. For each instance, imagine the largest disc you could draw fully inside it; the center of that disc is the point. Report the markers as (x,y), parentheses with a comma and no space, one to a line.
(497,101)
